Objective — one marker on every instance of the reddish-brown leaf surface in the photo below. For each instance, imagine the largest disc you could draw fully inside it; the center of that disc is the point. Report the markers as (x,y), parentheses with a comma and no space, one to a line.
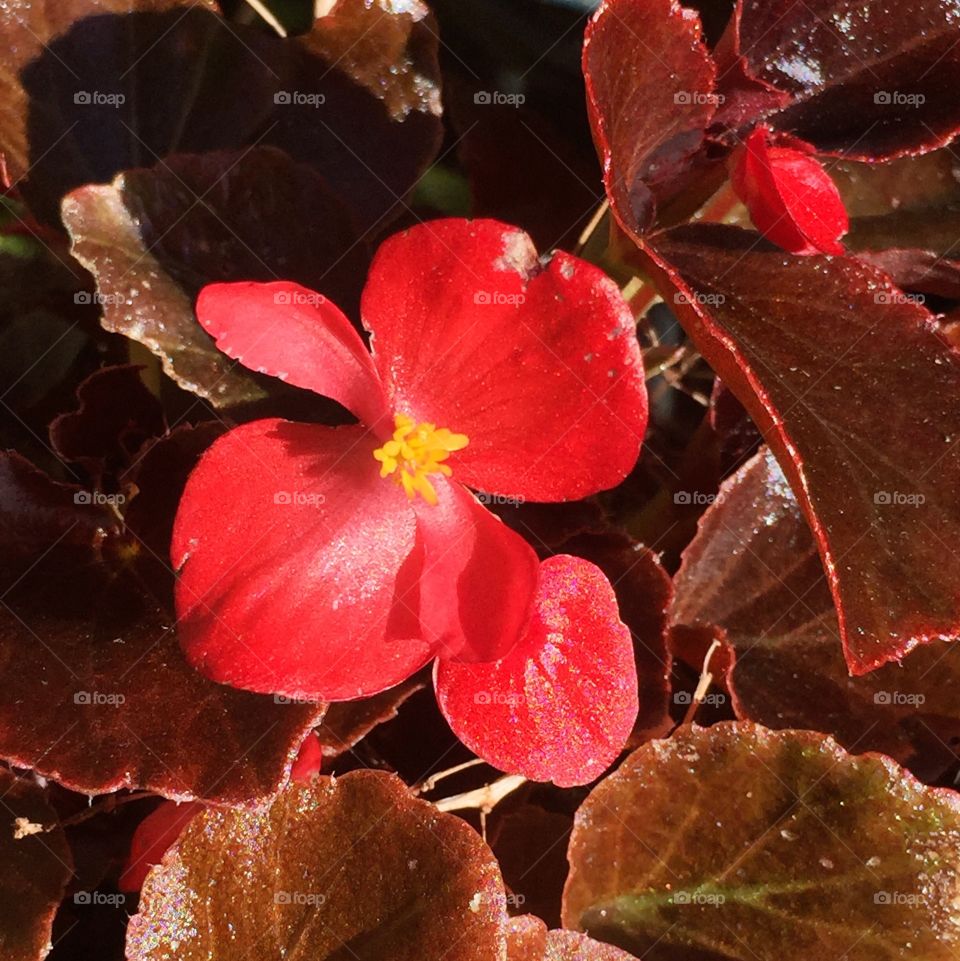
(649,84)
(869,80)
(529,940)
(347,868)
(35,866)
(151,244)
(184,80)
(94,690)
(735,841)
(346,723)
(850,383)
(753,572)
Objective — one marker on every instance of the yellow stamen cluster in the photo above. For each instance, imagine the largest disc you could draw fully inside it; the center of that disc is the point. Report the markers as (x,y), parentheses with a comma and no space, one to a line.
(415,452)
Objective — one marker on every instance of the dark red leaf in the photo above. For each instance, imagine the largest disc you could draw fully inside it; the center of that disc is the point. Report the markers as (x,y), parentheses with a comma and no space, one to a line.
(116,415)
(754,573)
(93,88)
(867,80)
(650,97)
(35,866)
(850,383)
(94,691)
(346,723)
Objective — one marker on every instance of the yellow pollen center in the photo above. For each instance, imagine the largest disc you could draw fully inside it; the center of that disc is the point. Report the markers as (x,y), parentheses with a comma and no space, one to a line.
(415,452)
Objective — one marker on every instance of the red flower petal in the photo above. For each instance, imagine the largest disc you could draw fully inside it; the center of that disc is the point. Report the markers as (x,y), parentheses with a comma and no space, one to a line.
(309,759)
(478,579)
(538,365)
(295,334)
(560,706)
(154,834)
(297,565)
(791,198)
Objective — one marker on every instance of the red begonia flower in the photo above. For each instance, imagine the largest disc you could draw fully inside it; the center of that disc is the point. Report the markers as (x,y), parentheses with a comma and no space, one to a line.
(332,563)
(560,706)
(791,198)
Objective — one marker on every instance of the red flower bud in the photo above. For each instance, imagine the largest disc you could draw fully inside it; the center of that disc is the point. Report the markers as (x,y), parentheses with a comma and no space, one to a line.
(791,198)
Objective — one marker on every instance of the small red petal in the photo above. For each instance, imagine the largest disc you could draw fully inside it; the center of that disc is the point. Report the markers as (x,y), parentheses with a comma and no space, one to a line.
(295,334)
(560,706)
(791,198)
(538,365)
(155,833)
(309,760)
(299,565)
(478,579)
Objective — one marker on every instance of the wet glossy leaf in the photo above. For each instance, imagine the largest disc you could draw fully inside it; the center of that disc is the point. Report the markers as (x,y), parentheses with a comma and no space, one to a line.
(35,866)
(152,244)
(649,84)
(734,841)
(863,80)
(753,571)
(815,348)
(351,868)
(94,87)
